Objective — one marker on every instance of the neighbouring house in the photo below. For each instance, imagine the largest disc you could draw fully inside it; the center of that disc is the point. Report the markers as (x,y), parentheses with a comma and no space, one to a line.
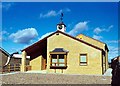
(4,56)
(11,59)
(16,59)
(115,61)
(115,65)
(62,53)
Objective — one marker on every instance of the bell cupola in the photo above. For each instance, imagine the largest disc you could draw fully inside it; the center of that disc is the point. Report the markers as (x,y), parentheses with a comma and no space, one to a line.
(61,26)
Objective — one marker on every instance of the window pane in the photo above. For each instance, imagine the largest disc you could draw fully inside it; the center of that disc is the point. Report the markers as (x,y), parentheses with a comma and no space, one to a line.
(83,58)
(61,56)
(54,60)
(61,64)
(61,60)
(54,64)
(54,56)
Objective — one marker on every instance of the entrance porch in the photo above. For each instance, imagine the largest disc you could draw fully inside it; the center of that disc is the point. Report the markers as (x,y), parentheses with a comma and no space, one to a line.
(38,56)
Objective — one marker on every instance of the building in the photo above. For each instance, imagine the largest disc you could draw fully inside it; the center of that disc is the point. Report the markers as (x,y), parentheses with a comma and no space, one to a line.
(16,59)
(62,53)
(115,65)
(12,59)
(4,56)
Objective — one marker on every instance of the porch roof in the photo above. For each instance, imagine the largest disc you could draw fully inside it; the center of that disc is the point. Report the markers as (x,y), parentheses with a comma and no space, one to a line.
(59,50)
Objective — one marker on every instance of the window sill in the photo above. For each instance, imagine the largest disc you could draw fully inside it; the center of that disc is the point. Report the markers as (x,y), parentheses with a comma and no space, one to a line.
(83,65)
(58,67)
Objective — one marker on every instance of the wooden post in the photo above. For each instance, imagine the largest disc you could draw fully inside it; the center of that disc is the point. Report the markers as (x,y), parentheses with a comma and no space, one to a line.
(8,67)
(2,69)
(14,66)
(119,58)
(55,69)
(50,61)
(65,59)
(57,60)
(62,70)
(23,60)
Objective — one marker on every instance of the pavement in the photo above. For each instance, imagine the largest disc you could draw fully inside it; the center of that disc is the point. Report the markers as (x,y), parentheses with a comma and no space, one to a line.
(40,71)
(107,73)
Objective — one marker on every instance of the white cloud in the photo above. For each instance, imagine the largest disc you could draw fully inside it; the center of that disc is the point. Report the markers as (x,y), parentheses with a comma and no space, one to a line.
(7,6)
(43,36)
(67,10)
(4,32)
(0,38)
(113,41)
(111,26)
(79,27)
(97,37)
(24,36)
(53,13)
(113,51)
(3,35)
(49,14)
(99,30)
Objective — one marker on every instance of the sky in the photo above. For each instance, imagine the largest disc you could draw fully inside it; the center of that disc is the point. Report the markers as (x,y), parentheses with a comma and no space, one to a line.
(24,23)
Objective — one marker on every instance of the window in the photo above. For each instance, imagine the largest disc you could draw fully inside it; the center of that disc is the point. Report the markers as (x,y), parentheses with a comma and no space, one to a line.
(54,60)
(83,59)
(58,60)
(61,60)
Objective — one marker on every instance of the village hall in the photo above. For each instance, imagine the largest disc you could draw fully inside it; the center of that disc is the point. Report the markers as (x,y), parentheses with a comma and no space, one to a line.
(60,52)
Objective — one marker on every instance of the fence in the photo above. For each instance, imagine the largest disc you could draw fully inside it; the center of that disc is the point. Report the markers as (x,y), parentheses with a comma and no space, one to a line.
(11,68)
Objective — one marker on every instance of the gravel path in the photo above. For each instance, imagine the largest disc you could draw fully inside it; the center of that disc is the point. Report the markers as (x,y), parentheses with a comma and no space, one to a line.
(38,78)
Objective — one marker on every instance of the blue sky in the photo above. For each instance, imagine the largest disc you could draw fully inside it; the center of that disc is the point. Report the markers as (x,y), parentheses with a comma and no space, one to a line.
(25,23)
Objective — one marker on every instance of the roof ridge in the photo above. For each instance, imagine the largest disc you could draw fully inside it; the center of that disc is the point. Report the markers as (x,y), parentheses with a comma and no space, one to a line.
(66,35)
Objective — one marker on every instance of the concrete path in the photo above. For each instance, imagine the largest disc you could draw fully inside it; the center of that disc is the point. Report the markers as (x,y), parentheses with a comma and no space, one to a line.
(32,71)
(9,73)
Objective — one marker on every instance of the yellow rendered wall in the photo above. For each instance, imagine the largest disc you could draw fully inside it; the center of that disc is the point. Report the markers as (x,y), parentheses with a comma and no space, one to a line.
(36,63)
(75,48)
(96,43)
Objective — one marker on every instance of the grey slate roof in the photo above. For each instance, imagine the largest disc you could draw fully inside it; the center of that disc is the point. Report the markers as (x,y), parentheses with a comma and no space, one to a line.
(59,50)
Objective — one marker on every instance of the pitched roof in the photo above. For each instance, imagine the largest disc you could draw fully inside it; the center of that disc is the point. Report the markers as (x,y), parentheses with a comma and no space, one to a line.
(94,40)
(91,38)
(66,35)
(4,51)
